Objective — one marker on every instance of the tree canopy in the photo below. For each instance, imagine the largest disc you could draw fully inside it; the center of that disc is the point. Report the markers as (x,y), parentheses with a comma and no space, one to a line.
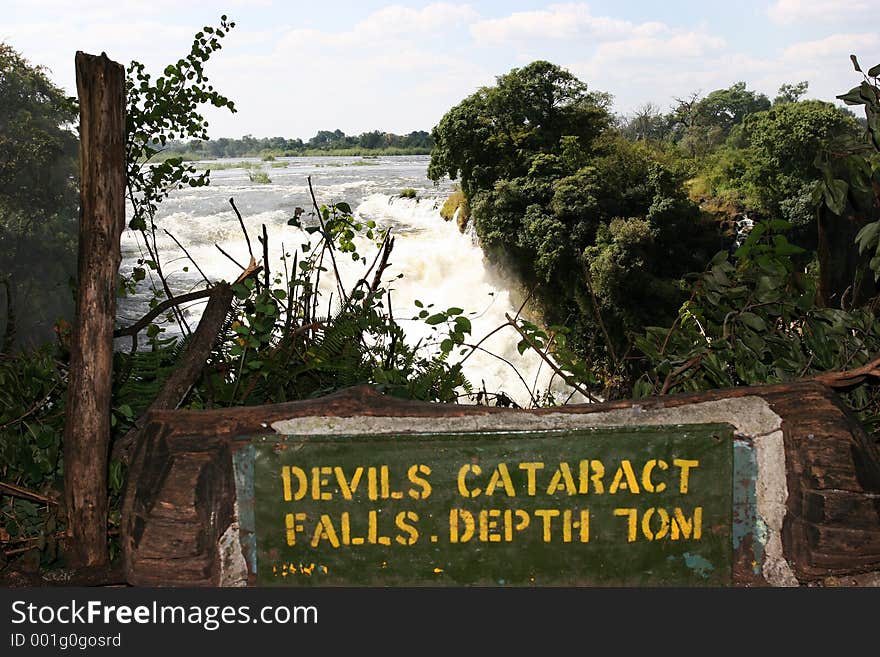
(495,132)
(599,227)
(38,198)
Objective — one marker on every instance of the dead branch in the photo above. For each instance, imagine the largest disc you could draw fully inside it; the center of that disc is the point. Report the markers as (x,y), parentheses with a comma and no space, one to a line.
(251,270)
(32,409)
(243,229)
(329,244)
(195,264)
(111,575)
(144,321)
(381,258)
(848,378)
(18,491)
(477,347)
(265,241)
(387,247)
(9,329)
(190,366)
(670,378)
(234,261)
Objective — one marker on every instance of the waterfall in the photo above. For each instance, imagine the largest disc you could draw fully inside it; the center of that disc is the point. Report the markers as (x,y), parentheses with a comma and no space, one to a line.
(440,265)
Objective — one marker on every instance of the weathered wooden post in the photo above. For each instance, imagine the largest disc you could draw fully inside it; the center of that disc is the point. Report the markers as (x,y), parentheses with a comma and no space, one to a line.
(100,84)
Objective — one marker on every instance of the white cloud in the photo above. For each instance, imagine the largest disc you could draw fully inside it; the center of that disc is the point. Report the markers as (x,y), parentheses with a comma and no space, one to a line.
(401,67)
(836,46)
(703,65)
(396,20)
(660,49)
(799,11)
(557,22)
(390,71)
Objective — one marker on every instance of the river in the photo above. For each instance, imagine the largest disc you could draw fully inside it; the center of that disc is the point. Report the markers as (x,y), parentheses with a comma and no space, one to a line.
(440,265)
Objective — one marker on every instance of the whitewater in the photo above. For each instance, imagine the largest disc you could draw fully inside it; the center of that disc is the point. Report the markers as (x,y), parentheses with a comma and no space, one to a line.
(439,264)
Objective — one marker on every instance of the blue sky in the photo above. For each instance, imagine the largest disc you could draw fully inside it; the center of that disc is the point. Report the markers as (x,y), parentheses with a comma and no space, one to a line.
(296,67)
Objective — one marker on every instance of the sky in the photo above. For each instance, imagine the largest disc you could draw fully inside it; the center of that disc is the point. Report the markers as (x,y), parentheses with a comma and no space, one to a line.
(293,68)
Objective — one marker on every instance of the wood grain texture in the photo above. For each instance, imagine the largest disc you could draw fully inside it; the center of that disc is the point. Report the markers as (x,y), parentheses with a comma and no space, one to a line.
(101,86)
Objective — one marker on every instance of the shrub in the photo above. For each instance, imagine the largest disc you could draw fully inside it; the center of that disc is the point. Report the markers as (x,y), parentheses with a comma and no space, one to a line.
(259,177)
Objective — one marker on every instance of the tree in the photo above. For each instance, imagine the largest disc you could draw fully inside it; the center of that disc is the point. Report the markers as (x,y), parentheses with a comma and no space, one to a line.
(598,226)
(326,139)
(495,132)
(38,199)
(791,93)
(647,122)
(707,122)
(725,108)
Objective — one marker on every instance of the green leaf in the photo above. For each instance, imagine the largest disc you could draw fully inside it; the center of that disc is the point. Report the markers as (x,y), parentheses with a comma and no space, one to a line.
(783,247)
(855,63)
(867,236)
(874,71)
(852,97)
(343,207)
(753,321)
(437,318)
(718,258)
(835,195)
(779,225)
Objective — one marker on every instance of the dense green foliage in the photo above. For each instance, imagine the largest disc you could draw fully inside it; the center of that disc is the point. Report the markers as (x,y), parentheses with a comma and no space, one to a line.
(599,227)
(38,201)
(605,224)
(752,318)
(767,166)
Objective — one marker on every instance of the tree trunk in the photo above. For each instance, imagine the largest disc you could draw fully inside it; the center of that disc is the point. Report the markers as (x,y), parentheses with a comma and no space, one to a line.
(100,84)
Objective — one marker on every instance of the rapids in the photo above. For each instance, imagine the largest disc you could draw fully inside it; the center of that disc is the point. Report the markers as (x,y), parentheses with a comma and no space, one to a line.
(440,265)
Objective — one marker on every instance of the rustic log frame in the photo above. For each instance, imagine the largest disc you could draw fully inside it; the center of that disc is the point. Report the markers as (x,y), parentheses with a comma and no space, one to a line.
(181,488)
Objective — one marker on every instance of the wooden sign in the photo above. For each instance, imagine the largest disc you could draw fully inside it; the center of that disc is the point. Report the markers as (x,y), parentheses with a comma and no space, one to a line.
(602,506)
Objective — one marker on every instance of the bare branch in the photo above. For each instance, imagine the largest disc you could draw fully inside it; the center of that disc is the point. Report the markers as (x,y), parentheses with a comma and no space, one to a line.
(144,321)
(565,377)
(18,491)
(243,229)
(188,256)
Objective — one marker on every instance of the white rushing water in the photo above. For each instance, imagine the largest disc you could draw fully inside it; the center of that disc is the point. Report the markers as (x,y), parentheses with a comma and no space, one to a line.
(440,265)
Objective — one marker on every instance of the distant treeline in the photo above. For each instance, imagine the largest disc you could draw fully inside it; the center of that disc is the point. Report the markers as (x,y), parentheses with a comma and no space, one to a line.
(325,142)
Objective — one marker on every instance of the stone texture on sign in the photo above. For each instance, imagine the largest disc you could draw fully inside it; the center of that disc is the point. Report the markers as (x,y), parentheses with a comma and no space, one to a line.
(817,482)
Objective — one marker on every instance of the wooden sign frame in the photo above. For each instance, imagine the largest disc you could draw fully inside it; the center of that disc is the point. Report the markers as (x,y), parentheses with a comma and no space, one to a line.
(808,477)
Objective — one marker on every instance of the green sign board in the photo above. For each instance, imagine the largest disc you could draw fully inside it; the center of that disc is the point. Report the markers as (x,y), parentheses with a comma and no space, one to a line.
(607,506)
